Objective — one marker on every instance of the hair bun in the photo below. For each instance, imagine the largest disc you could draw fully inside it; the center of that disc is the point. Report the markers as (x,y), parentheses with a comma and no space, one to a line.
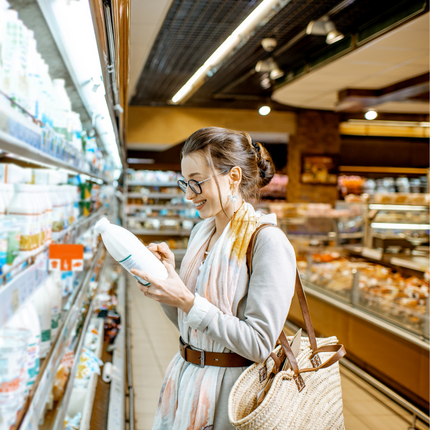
(265,165)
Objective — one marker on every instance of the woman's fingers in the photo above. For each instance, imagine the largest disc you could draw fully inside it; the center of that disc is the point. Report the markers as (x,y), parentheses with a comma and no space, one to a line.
(145,276)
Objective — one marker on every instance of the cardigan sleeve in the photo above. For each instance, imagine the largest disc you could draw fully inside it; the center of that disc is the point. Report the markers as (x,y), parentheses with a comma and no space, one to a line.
(271,289)
(172,311)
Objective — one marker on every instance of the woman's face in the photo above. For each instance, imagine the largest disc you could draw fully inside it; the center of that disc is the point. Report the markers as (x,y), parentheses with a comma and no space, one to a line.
(194,166)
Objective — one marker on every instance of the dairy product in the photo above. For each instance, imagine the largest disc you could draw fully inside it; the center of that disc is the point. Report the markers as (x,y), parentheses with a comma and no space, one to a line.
(42,302)
(23,208)
(57,210)
(129,251)
(26,318)
(53,287)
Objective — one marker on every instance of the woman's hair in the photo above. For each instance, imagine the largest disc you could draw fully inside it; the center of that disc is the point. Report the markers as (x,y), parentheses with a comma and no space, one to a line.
(224,149)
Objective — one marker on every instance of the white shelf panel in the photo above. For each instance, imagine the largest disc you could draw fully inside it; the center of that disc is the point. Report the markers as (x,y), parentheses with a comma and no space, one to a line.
(162,218)
(161,207)
(154,195)
(144,232)
(152,184)
(45,380)
(15,292)
(19,148)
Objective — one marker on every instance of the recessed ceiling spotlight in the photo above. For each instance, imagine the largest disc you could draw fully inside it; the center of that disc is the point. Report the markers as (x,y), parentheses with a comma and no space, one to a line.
(264,110)
(370,114)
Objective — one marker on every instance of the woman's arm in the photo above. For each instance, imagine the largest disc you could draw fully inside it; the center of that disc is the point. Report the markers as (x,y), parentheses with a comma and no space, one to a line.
(271,289)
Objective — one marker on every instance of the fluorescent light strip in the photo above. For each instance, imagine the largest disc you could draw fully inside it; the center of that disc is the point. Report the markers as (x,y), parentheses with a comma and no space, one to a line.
(233,40)
(396,207)
(399,226)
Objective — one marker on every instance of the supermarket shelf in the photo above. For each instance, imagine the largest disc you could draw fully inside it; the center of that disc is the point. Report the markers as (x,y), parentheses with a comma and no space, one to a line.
(357,235)
(152,184)
(396,207)
(154,195)
(322,295)
(147,232)
(161,207)
(414,262)
(162,218)
(116,412)
(45,380)
(79,227)
(399,226)
(62,409)
(14,293)
(19,148)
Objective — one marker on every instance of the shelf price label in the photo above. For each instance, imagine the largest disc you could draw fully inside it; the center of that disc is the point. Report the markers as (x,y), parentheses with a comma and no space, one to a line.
(66,257)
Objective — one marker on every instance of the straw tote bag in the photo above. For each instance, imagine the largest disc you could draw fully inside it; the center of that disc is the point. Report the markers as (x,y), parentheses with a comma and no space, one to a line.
(300,392)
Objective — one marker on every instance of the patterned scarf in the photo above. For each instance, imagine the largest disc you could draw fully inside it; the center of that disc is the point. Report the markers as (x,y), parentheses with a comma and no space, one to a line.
(189,393)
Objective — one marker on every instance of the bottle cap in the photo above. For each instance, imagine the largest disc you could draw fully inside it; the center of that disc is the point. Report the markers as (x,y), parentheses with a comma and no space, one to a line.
(100,227)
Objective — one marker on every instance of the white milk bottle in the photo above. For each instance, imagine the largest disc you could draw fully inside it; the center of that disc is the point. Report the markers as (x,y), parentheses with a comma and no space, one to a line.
(42,302)
(23,209)
(26,318)
(53,286)
(129,251)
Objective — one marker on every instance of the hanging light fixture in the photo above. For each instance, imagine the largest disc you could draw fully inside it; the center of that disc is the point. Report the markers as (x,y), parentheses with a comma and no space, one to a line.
(325,27)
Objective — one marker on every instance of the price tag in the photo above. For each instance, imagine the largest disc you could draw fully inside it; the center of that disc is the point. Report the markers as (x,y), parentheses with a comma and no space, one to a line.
(375,254)
(66,257)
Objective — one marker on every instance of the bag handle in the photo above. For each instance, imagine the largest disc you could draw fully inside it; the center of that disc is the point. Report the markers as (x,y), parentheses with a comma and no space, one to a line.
(299,289)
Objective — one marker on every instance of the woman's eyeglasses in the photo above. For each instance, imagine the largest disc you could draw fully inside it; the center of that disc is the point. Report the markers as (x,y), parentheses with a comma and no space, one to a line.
(195,186)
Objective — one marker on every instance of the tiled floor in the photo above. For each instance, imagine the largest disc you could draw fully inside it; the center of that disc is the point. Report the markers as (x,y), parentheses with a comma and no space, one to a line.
(154,342)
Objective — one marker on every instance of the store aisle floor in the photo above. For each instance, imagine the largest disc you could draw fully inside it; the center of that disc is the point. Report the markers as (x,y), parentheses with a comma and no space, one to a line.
(154,342)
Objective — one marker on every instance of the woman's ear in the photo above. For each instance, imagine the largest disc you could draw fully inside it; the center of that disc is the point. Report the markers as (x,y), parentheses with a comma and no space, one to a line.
(235,175)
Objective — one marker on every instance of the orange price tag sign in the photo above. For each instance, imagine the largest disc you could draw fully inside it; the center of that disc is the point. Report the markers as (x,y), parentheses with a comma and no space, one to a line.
(66,257)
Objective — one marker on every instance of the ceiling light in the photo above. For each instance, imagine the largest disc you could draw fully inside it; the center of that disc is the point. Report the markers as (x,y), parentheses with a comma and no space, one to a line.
(264,110)
(334,36)
(266,65)
(269,44)
(325,27)
(370,114)
(252,21)
(276,73)
(265,83)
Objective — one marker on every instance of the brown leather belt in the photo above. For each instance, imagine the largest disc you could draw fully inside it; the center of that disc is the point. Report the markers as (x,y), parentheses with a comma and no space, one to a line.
(203,358)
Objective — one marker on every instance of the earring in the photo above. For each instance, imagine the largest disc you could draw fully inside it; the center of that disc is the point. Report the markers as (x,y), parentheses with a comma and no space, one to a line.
(232,198)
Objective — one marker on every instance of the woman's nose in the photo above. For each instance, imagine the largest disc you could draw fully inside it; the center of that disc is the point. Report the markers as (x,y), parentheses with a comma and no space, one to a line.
(189,195)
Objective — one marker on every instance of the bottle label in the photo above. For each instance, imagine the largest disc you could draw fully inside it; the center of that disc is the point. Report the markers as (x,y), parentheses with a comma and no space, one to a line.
(46,335)
(130,263)
(26,239)
(14,239)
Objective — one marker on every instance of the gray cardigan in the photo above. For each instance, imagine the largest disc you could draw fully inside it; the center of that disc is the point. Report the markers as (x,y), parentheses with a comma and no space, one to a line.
(261,307)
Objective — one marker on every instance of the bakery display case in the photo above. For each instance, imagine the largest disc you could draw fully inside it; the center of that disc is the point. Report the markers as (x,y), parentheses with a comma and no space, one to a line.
(400,298)
(398,221)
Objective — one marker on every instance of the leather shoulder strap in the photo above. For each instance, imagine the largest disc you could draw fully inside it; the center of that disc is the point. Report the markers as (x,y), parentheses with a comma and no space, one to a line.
(250,250)
(298,287)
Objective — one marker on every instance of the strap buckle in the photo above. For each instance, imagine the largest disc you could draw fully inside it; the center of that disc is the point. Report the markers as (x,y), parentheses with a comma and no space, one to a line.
(201,358)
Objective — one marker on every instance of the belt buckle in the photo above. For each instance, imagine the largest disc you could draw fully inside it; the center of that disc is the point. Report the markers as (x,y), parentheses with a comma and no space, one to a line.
(202,357)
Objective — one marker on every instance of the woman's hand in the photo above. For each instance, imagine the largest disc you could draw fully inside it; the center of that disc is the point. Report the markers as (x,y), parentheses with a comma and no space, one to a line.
(171,291)
(162,252)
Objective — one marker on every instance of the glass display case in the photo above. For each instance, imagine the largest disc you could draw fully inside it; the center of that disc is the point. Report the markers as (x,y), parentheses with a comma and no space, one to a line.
(403,225)
(394,296)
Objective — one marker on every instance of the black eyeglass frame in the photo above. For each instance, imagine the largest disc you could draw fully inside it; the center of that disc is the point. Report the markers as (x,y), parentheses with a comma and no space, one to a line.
(183,185)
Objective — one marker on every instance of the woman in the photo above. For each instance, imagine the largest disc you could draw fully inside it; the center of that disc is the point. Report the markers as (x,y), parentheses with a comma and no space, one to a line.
(235,319)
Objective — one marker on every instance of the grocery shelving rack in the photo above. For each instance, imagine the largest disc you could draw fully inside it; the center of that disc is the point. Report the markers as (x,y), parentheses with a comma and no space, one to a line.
(151,190)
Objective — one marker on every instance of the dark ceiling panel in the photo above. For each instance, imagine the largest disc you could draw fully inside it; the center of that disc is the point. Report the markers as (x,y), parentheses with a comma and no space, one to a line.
(194,29)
